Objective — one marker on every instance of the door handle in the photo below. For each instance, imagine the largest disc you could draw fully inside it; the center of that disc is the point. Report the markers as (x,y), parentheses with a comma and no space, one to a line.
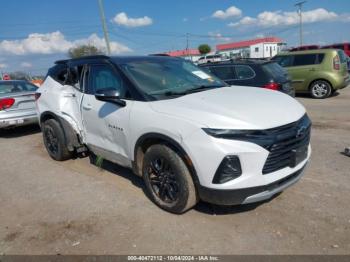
(87,107)
(68,94)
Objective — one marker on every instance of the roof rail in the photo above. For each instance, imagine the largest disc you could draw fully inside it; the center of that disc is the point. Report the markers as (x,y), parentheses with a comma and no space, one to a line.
(64,61)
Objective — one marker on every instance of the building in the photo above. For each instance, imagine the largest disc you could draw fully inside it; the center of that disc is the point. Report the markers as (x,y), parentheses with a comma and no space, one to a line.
(256,48)
(188,54)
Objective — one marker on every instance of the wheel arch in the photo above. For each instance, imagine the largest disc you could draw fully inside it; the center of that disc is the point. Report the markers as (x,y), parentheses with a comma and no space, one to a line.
(70,135)
(149,139)
(320,79)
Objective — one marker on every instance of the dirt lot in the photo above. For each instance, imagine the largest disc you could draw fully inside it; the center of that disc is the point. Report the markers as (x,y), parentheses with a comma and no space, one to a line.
(74,207)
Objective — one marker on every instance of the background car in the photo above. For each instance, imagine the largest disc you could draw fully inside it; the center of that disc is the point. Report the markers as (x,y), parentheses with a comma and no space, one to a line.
(17,104)
(317,72)
(304,47)
(209,59)
(250,72)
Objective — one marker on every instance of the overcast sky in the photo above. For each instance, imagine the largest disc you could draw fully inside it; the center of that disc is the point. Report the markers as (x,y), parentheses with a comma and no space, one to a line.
(33,34)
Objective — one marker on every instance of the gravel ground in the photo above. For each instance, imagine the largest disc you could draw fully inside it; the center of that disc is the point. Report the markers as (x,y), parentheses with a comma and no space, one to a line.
(74,207)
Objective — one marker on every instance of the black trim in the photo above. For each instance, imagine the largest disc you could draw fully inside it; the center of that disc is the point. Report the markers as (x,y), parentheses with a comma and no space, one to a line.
(70,136)
(171,142)
(237,196)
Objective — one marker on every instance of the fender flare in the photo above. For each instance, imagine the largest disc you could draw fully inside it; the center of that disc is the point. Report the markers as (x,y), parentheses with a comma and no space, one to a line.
(70,135)
(167,141)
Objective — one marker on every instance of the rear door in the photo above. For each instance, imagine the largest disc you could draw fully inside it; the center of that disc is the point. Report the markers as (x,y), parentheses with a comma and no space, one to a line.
(304,68)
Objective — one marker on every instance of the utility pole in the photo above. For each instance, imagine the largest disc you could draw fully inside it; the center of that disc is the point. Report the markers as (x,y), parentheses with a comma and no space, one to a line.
(104,26)
(187,45)
(300,13)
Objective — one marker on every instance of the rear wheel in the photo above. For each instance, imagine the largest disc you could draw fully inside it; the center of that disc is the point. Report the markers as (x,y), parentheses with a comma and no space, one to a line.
(320,89)
(54,140)
(168,180)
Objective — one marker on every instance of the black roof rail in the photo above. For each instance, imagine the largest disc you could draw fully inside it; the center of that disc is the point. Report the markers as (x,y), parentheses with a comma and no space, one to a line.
(64,61)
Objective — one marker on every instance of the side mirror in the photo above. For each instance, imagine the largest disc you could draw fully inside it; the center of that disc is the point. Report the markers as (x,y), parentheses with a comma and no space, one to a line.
(111,96)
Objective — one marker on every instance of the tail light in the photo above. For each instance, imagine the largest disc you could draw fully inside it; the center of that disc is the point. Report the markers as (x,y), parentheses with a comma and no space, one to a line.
(272,86)
(336,63)
(6,103)
(37,96)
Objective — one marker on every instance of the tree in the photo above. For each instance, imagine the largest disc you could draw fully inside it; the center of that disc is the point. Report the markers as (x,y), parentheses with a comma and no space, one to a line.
(83,50)
(204,49)
(19,75)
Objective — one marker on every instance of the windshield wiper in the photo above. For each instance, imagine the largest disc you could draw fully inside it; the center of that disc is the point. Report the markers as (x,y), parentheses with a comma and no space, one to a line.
(191,91)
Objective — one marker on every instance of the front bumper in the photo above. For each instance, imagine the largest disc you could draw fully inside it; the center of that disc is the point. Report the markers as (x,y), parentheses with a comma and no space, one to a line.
(248,195)
(18,121)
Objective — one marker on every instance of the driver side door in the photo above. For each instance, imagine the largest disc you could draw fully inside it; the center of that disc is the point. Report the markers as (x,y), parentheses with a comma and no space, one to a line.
(106,124)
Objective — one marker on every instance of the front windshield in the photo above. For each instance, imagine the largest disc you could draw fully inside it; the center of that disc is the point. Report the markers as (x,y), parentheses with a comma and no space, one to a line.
(161,78)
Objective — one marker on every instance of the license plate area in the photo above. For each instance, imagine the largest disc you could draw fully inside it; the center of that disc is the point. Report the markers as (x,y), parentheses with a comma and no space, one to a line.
(298,155)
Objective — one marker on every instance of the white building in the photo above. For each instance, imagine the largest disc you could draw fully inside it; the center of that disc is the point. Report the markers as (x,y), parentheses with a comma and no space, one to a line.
(256,48)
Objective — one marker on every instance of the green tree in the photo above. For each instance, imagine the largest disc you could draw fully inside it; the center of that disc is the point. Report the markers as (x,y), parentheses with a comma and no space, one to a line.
(204,49)
(84,50)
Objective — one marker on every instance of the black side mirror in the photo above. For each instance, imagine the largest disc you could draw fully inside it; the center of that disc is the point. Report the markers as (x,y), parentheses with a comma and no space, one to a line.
(111,96)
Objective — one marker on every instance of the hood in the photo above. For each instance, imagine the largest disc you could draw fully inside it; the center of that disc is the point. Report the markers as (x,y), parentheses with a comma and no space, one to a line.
(235,107)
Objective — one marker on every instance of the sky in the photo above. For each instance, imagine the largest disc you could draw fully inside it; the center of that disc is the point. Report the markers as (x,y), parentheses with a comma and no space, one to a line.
(35,33)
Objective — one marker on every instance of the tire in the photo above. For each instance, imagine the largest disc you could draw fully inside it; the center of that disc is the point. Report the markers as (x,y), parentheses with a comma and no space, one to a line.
(168,180)
(54,141)
(320,89)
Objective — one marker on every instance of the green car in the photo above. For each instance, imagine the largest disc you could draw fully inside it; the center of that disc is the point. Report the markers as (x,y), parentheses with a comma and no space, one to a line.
(317,72)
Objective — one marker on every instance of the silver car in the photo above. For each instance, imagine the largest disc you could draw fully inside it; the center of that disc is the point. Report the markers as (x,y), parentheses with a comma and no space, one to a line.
(17,104)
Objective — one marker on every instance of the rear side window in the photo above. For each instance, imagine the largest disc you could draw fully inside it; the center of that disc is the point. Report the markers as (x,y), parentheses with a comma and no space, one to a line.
(59,73)
(301,60)
(308,59)
(244,72)
(284,61)
(342,57)
(223,72)
(13,87)
(274,70)
(75,76)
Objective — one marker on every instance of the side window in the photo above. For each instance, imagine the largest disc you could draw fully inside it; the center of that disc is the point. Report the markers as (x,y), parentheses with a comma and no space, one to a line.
(75,76)
(319,58)
(301,60)
(284,61)
(103,77)
(244,72)
(30,87)
(59,73)
(223,72)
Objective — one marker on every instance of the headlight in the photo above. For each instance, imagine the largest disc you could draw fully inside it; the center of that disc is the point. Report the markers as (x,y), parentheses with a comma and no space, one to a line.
(265,138)
(254,136)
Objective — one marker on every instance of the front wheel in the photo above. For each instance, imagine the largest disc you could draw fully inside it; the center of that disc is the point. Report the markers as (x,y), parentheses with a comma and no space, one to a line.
(168,180)
(320,89)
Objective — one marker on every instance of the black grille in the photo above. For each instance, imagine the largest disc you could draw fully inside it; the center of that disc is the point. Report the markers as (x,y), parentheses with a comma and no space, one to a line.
(287,139)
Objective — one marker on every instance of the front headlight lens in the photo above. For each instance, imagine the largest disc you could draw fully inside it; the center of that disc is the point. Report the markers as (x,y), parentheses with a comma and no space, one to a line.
(254,136)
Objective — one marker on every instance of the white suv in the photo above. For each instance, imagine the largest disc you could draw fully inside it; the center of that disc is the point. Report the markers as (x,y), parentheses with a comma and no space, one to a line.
(189,135)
